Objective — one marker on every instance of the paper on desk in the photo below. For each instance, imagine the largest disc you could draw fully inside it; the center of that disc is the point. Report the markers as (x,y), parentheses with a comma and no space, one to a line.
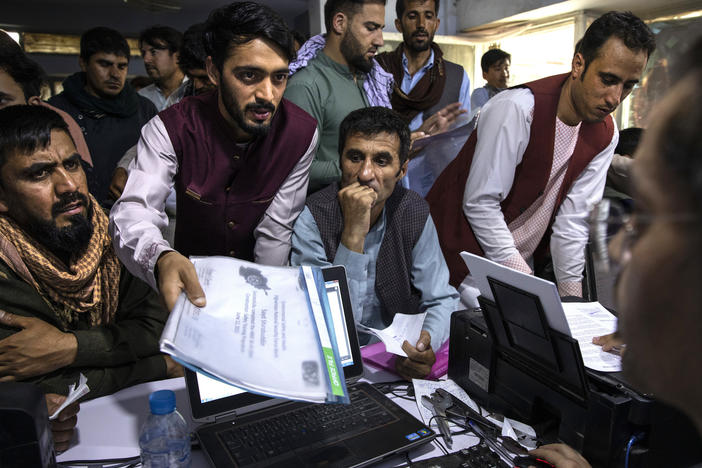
(403,327)
(587,320)
(427,387)
(74,393)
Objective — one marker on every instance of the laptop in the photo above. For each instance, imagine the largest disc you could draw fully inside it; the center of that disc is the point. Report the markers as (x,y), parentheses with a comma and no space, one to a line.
(246,429)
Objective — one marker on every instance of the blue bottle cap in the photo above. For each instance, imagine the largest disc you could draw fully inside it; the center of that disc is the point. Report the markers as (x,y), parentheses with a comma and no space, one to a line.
(162,402)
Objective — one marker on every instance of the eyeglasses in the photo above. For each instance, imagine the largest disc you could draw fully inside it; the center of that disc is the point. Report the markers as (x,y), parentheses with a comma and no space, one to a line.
(614,230)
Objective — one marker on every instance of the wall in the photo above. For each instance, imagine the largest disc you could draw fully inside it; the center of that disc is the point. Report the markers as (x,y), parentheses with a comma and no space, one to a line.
(472,13)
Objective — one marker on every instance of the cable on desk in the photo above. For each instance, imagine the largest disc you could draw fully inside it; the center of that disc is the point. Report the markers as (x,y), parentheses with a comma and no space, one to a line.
(394,387)
(635,438)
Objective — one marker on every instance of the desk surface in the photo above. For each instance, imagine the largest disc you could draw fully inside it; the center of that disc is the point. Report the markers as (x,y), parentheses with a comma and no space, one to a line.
(108,427)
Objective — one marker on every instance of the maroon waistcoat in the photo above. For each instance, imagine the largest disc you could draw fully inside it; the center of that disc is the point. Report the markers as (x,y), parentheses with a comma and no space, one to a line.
(222,190)
(530,178)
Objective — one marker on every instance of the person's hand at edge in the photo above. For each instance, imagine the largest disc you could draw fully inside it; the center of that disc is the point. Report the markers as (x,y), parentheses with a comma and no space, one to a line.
(561,456)
(63,427)
(119,180)
(177,274)
(419,360)
(610,342)
(36,349)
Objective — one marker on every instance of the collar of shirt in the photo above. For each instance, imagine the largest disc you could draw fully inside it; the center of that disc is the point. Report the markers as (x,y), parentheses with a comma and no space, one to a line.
(342,70)
(409,81)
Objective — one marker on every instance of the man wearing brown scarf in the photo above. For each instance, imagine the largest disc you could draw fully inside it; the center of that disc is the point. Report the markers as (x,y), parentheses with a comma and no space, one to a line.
(66,305)
(425,83)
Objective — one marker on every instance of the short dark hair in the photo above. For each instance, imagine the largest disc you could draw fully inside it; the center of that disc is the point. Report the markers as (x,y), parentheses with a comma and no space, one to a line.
(299,37)
(25,71)
(624,26)
(492,57)
(27,129)
(370,121)
(347,7)
(629,139)
(192,51)
(400,7)
(102,39)
(242,22)
(154,35)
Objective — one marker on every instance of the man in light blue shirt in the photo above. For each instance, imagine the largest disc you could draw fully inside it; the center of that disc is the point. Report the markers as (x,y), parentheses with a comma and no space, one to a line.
(383,235)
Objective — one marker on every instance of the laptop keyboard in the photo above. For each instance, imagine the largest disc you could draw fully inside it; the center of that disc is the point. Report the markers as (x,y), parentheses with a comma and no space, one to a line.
(266,438)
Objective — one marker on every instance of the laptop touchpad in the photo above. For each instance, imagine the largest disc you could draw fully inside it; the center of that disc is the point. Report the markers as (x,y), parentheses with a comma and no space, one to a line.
(326,455)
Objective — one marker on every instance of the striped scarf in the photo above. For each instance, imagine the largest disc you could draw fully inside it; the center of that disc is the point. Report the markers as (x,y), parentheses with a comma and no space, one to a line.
(88,285)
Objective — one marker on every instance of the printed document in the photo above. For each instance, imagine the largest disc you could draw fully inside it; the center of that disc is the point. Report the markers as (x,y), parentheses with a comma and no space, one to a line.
(587,320)
(263,329)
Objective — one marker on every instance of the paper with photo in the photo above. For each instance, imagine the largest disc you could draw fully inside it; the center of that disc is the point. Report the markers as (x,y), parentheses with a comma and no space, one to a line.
(256,331)
(403,327)
(587,320)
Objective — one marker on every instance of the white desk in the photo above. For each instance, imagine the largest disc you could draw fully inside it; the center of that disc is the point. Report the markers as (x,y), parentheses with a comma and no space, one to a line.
(108,427)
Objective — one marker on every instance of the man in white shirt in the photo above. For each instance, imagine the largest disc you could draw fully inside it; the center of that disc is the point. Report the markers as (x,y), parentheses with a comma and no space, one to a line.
(538,160)
(238,156)
(159,47)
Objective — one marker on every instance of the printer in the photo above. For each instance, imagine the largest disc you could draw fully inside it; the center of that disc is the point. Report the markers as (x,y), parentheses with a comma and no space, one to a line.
(509,360)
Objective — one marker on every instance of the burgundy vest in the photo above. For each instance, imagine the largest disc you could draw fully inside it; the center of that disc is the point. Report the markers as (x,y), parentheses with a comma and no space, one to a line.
(530,178)
(222,190)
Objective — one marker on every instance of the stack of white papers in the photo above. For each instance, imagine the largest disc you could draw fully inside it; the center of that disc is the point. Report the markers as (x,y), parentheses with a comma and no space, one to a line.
(264,329)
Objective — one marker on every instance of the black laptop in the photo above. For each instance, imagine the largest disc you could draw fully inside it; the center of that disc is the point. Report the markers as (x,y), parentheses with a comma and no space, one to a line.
(245,429)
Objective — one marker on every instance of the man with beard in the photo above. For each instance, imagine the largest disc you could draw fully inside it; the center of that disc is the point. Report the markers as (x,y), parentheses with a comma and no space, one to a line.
(538,160)
(332,83)
(425,82)
(238,156)
(108,110)
(66,305)
(657,254)
(160,47)
(382,233)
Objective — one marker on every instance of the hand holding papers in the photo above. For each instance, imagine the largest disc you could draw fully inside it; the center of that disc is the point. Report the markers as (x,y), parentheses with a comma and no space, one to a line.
(265,329)
(589,319)
(403,327)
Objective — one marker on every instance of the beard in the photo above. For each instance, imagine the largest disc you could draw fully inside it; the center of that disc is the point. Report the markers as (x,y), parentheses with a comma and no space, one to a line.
(353,52)
(239,115)
(419,46)
(66,241)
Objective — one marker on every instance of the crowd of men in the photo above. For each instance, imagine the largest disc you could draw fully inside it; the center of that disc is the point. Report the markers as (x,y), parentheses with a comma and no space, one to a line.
(269,148)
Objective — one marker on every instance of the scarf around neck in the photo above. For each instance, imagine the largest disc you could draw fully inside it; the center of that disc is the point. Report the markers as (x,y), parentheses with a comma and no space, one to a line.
(88,285)
(428,90)
(125,104)
(377,85)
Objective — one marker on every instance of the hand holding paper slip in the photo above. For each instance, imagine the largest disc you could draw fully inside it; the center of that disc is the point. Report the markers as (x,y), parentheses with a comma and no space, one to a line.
(264,329)
(74,393)
(403,327)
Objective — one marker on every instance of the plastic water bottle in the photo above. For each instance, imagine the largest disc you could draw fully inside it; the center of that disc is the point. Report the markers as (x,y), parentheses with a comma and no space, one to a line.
(164,439)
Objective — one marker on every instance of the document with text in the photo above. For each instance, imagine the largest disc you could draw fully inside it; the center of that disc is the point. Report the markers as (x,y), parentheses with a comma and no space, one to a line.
(265,329)
(587,320)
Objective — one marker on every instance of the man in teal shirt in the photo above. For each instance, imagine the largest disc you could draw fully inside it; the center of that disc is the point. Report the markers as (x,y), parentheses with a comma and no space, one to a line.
(331,85)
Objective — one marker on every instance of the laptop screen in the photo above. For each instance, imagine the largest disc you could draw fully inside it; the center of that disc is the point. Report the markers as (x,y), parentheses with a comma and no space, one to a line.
(209,396)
